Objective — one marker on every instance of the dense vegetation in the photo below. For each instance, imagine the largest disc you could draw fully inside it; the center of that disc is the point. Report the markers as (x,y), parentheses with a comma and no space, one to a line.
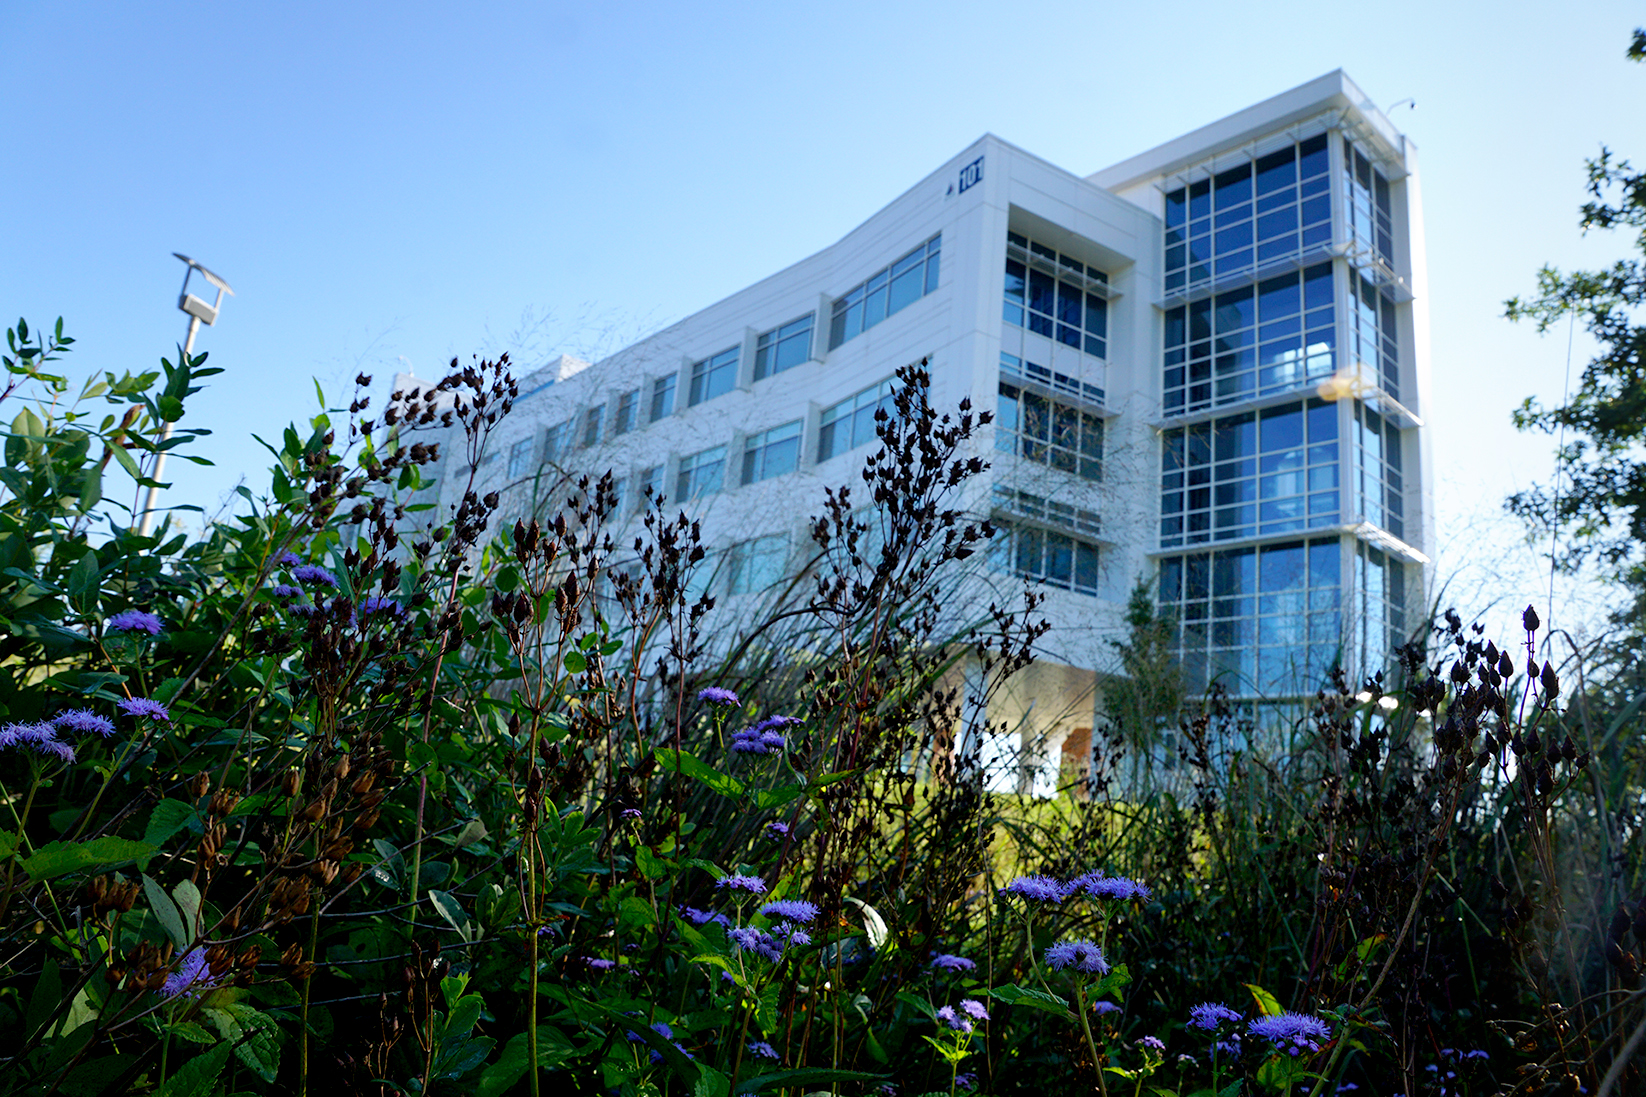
(347,796)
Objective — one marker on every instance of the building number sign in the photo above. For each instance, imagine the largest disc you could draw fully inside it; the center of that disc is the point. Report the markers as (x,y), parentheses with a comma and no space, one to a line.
(971,175)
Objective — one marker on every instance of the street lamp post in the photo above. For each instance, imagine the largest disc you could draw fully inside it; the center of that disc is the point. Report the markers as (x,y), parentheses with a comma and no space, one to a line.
(198,311)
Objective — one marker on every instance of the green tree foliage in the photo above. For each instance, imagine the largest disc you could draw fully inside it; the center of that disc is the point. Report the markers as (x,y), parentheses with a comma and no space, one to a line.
(1602,498)
(1152,689)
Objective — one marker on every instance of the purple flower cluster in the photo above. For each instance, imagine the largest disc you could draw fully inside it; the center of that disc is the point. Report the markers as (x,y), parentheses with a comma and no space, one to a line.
(704,917)
(1083,956)
(285,591)
(84,721)
(762,1049)
(191,976)
(795,910)
(1291,1032)
(663,1030)
(750,741)
(376,603)
(1103,1006)
(135,620)
(717,695)
(1040,889)
(1208,1015)
(947,961)
(961,1020)
(772,945)
(142,706)
(777,830)
(37,737)
(754,885)
(1047,889)
(289,559)
(1153,1043)
(597,964)
(310,576)
(966,1081)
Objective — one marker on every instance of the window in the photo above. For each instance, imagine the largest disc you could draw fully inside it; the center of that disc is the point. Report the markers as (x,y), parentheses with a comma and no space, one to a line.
(627,404)
(700,474)
(1027,505)
(1372,333)
(771,453)
(1056,295)
(1059,382)
(1274,471)
(1380,489)
(1366,210)
(1049,433)
(783,347)
(663,396)
(593,419)
(850,423)
(714,376)
(557,440)
(1380,604)
(619,495)
(757,565)
(1276,208)
(650,484)
(1262,619)
(871,301)
(1252,341)
(520,458)
(1045,556)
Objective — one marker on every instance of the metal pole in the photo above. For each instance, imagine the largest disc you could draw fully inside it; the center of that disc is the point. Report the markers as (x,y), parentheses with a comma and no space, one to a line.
(147,522)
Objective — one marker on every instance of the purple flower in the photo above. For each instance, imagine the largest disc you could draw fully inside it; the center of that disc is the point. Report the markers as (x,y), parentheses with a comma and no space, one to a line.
(629,813)
(1099,886)
(967,1080)
(762,1049)
(715,695)
(285,591)
(1153,1043)
(1293,1032)
(84,721)
(135,620)
(795,910)
(1208,1015)
(309,575)
(142,706)
(302,609)
(1103,1005)
(289,559)
(777,830)
(776,723)
(54,746)
(1041,889)
(703,917)
(598,964)
(738,882)
(1083,956)
(13,735)
(1229,1047)
(956,1022)
(376,603)
(749,741)
(757,941)
(974,1008)
(191,972)
(946,961)
(1476,1055)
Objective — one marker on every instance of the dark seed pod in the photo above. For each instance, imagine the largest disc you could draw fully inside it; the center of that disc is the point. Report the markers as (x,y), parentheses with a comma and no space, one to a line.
(1620,923)
(1530,619)
(1550,682)
(1506,665)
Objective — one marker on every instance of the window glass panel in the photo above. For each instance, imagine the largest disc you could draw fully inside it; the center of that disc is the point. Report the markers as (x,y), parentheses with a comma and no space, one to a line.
(663,397)
(885,292)
(714,376)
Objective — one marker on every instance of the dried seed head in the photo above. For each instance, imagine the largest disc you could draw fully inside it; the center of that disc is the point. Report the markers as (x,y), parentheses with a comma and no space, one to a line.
(292,781)
(1530,619)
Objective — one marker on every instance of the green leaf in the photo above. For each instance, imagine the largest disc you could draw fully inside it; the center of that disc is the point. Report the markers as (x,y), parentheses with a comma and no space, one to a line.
(1027,996)
(805,1076)
(553,1048)
(451,910)
(651,866)
(167,818)
(681,761)
(196,1077)
(576,662)
(465,1015)
(187,897)
(56,858)
(1267,1004)
(254,1034)
(165,910)
(48,994)
(83,576)
(192,1031)
(473,831)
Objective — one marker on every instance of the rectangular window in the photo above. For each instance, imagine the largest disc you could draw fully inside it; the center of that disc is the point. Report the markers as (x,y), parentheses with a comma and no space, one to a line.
(520,458)
(593,419)
(1045,556)
(1028,505)
(1266,212)
(1380,487)
(649,485)
(1380,604)
(771,453)
(714,376)
(1056,295)
(627,405)
(557,440)
(700,474)
(1273,337)
(618,496)
(1264,620)
(885,292)
(756,565)
(1373,334)
(1250,475)
(783,347)
(850,423)
(1059,382)
(663,396)
(1049,433)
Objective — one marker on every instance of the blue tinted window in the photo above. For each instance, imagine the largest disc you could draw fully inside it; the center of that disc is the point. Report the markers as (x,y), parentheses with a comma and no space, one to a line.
(885,293)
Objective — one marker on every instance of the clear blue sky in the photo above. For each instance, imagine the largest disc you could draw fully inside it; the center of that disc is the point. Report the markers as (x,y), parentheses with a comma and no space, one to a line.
(380,181)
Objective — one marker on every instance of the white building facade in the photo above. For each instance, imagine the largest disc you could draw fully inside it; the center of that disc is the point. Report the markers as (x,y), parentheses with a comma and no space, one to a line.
(1207,365)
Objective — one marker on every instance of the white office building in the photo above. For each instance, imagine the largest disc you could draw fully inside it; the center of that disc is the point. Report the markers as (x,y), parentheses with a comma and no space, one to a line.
(1207,364)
